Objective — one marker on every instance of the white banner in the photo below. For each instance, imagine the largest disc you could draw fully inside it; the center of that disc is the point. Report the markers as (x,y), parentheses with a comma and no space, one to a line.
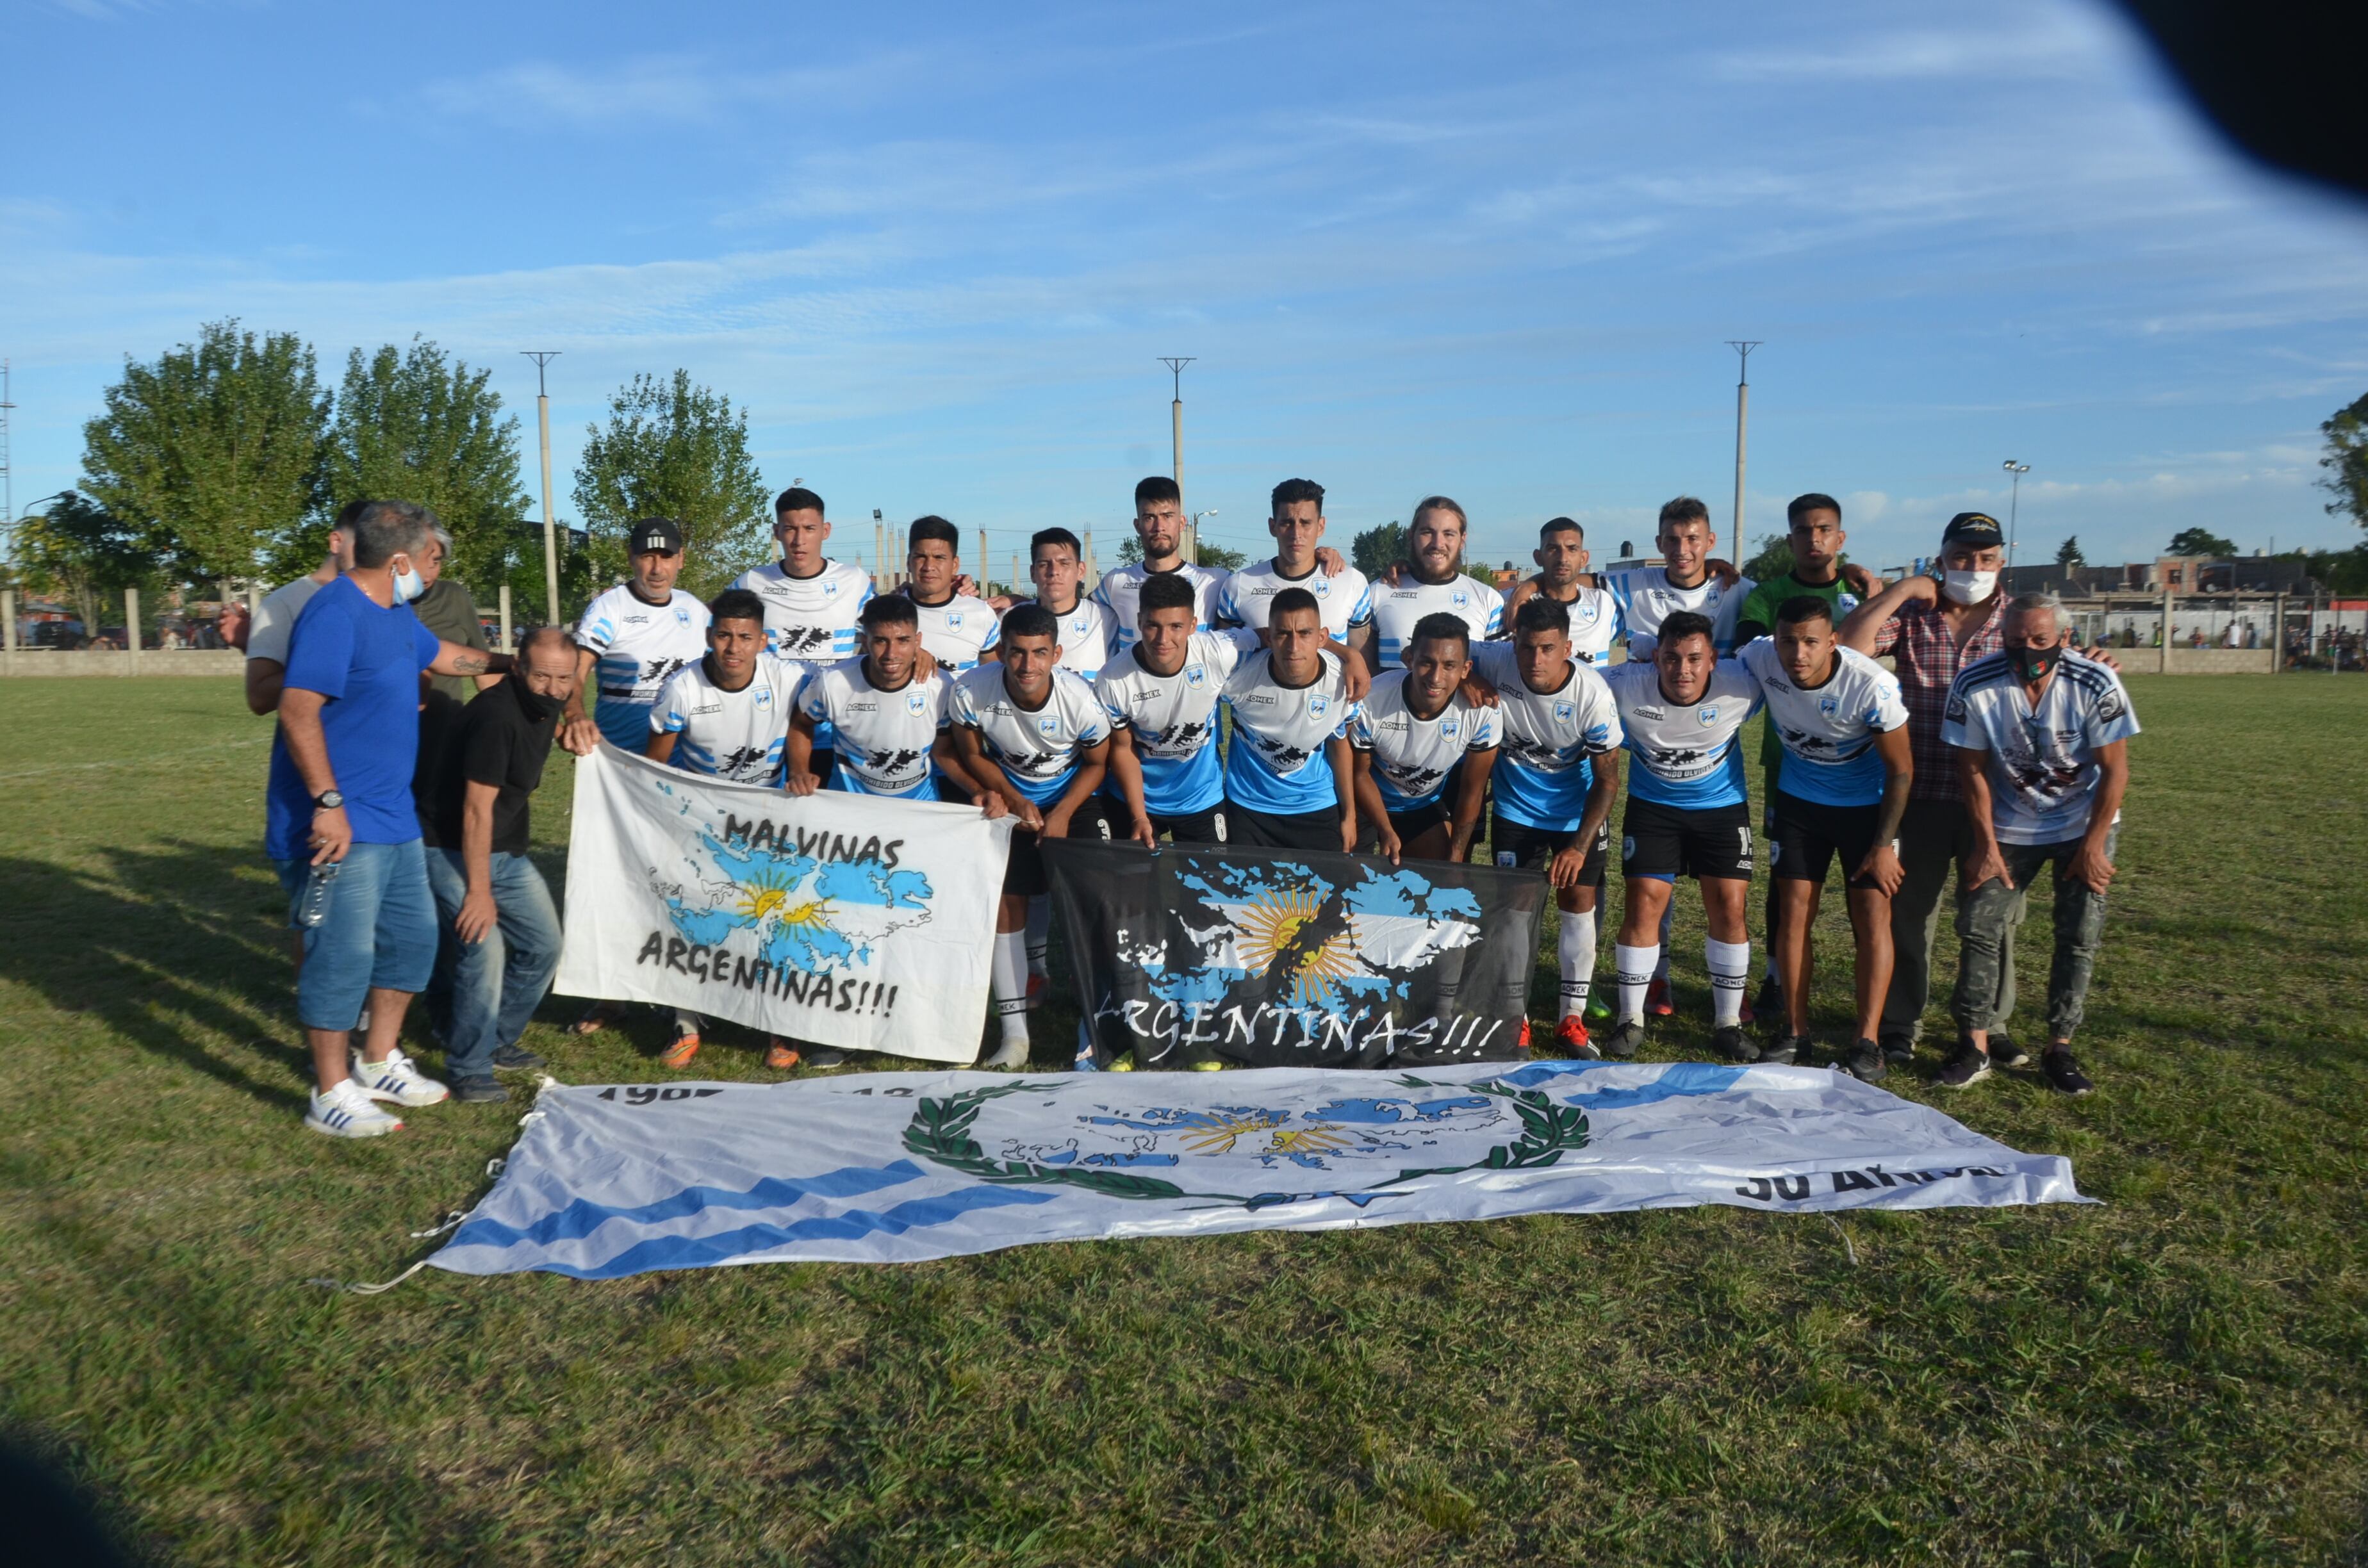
(845,920)
(899,1166)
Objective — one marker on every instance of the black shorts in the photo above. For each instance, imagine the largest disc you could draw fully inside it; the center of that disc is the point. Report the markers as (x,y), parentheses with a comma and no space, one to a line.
(1094,820)
(1809,834)
(1533,848)
(1275,830)
(1415,821)
(824,762)
(1667,842)
(1194,827)
(1023,873)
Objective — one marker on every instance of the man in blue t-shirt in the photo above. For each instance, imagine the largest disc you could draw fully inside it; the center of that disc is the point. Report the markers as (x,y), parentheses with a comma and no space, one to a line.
(340,823)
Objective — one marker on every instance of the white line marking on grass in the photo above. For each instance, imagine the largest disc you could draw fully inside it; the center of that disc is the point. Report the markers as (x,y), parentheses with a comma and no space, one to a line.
(149,758)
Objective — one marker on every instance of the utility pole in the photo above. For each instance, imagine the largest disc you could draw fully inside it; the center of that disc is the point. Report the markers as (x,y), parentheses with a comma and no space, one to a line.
(7,473)
(2013,513)
(542,356)
(1176,412)
(1742,424)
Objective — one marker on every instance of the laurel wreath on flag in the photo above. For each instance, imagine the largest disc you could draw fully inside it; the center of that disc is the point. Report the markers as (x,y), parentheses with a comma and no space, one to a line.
(940,1132)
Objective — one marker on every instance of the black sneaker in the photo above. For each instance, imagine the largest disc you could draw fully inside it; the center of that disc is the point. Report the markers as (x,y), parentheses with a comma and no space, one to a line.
(1622,1042)
(1970,1065)
(1769,1005)
(1899,1050)
(478,1091)
(1866,1063)
(2004,1053)
(517,1058)
(1735,1043)
(2063,1072)
(1786,1051)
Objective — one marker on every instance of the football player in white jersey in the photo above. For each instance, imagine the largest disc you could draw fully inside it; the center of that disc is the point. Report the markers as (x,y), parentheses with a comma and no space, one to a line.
(1555,777)
(1034,734)
(1415,733)
(635,635)
(1562,576)
(1056,564)
(1436,585)
(1342,594)
(958,628)
(1842,789)
(1161,696)
(1689,814)
(812,603)
(1159,524)
(1290,772)
(1687,581)
(726,715)
(887,714)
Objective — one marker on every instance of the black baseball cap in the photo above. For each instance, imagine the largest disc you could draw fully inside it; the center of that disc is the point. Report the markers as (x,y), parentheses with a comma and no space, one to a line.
(1977,528)
(661,534)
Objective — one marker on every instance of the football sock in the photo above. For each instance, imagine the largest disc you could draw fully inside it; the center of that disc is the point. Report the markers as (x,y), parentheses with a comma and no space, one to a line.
(687,1022)
(1009,974)
(1730,965)
(1577,960)
(1668,913)
(1634,967)
(1039,933)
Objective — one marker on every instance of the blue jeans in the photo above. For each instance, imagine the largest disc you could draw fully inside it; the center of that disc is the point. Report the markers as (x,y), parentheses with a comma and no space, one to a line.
(378,930)
(498,982)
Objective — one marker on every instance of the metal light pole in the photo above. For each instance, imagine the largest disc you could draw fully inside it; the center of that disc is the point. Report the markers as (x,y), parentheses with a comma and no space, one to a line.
(1195,556)
(542,356)
(1741,415)
(2013,508)
(1176,412)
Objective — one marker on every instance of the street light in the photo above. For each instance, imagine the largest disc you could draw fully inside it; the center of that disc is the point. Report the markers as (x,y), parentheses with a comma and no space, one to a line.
(2013,507)
(1194,555)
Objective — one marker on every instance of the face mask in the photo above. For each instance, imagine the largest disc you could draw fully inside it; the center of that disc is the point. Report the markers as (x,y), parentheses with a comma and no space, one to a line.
(537,708)
(1968,587)
(2032,663)
(408,586)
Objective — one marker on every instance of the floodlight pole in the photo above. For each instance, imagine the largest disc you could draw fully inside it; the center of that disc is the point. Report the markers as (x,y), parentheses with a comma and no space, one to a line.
(2013,509)
(542,356)
(1175,413)
(1742,416)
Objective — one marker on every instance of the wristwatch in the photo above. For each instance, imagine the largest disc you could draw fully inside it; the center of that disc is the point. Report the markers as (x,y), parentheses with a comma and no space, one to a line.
(327,800)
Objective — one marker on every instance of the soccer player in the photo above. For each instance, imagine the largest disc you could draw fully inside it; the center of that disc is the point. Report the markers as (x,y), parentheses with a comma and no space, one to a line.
(635,635)
(959,630)
(1842,789)
(1288,780)
(885,713)
(1689,814)
(727,716)
(1435,585)
(1647,595)
(1343,597)
(1414,730)
(1159,524)
(812,604)
(1160,696)
(1056,564)
(1562,576)
(2040,733)
(1032,734)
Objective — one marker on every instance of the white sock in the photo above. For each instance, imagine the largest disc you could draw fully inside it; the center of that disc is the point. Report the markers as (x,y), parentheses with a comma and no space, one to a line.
(1668,915)
(1730,964)
(1635,968)
(1039,933)
(1578,961)
(1009,985)
(687,1022)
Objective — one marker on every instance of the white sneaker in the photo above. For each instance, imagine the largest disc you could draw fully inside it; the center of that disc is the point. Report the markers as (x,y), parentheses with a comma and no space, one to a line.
(398,1078)
(1010,1059)
(346,1112)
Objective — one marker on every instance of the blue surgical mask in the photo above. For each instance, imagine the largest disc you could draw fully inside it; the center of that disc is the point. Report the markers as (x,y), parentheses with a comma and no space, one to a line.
(408,586)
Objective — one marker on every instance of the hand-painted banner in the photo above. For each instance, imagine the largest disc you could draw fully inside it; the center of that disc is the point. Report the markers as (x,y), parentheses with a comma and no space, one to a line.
(845,920)
(897,1168)
(1272,958)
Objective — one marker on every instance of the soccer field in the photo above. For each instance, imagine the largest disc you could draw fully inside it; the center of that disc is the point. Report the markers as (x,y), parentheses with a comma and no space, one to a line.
(2179,1376)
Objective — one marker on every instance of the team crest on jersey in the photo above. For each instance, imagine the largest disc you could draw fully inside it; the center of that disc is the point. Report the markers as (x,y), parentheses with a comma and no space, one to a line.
(681,616)
(1829,706)
(1588,611)
(953,620)
(1048,726)
(1562,711)
(1460,600)
(1706,715)
(1316,706)
(1194,675)
(1322,587)
(830,590)
(764,697)
(1447,730)
(916,703)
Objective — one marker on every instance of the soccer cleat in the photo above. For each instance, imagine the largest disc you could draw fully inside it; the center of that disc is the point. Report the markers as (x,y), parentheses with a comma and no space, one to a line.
(1899,1050)
(1786,1051)
(2004,1053)
(1769,1002)
(1735,1043)
(780,1054)
(1125,1064)
(1040,991)
(517,1058)
(1866,1063)
(1523,1044)
(1656,1000)
(2063,1072)
(346,1112)
(1970,1065)
(1572,1033)
(679,1054)
(1598,1011)
(823,1056)
(479,1091)
(1010,1057)
(1622,1042)
(1208,1067)
(398,1078)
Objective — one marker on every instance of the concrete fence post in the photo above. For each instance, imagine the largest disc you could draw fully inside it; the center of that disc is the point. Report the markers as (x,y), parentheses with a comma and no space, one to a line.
(509,646)
(2166,630)
(8,626)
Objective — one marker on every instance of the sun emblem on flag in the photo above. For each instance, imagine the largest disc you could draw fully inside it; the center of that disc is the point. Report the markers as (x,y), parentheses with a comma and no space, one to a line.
(1271,929)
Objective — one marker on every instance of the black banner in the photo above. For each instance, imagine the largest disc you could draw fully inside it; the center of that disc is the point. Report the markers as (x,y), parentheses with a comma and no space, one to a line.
(1284,959)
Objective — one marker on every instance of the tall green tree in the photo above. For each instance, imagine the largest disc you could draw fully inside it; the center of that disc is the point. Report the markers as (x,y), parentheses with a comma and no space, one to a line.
(2200,541)
(1376,549)
(2347,461)
(79,552)
(2068,552)
(212,454)
(1130,552)
(672,448)
(413,425)
(1773,560)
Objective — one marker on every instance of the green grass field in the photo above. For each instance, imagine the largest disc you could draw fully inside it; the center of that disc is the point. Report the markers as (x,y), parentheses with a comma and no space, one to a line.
(2181,1376)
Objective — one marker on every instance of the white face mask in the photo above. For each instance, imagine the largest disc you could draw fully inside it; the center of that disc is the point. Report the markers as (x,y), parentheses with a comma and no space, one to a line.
(408,586)
(1969,587)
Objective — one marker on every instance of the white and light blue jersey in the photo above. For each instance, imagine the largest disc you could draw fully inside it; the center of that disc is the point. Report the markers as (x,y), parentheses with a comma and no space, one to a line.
(1039,749)
(1172,721)
(1083,636)
(1399,606)
(635,645)
(883,736)
(1647,597)
(958,632)
(1343,601)
(1277,762)
(740,735)
(2042,761)
(815,619)
(1547,739)
(1828,732)
(1121,596)
(1594,624)
(1688,755)
(1412,757)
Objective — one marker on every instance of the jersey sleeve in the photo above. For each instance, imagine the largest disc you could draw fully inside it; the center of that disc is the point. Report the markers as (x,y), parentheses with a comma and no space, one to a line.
(267,638)
(2111,718)
(1888,710)
(1093,724)
(993,630)
(1112,699)
(1360,729)
(1730,610)
(960,707)
(1361,613)
(669,714)
(1603,730)
(814,698)
(597,628)
(943,698)
(1496,616)
(1228,613)
(1226,649)
(1957,727)
(1485,724)
(1495,662)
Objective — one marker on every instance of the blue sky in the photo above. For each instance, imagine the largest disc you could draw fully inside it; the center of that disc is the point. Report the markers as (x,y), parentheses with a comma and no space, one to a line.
(1490,250)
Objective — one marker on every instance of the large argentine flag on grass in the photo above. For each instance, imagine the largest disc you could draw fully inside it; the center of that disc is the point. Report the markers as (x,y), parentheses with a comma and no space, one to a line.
(896,1167)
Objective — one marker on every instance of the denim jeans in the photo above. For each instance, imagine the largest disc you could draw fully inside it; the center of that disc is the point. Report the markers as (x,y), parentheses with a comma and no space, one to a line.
(495,982)
(377,929)
(1987,919)
(1934,839)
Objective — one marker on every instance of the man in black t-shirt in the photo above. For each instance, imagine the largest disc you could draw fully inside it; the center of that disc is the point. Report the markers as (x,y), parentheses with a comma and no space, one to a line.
(500,925)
